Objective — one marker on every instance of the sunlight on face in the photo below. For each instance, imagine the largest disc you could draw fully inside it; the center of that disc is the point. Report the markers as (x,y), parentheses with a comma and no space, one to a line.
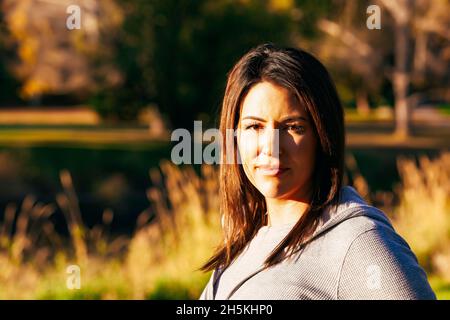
(271,118)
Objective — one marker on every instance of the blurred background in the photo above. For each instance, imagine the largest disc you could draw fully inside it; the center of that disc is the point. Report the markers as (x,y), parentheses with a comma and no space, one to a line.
(86,116)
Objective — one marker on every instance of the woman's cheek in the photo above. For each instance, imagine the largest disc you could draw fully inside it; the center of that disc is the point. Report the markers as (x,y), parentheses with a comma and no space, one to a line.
(247,146)
(247,153)
(306,152)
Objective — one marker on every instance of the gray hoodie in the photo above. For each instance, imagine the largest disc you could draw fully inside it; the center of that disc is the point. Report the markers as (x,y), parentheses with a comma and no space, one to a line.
(354,253)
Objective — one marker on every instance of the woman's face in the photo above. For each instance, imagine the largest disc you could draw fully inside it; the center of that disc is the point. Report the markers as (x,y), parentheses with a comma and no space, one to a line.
(271,120)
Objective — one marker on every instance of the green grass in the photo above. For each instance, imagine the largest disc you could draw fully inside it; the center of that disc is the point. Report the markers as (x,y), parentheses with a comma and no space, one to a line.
(444,108)
(80,136)
(187,289)
(441,287)
(353,116)
(169,289)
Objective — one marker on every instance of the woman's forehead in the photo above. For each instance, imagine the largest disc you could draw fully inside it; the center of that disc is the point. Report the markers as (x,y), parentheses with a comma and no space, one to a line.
(266,99)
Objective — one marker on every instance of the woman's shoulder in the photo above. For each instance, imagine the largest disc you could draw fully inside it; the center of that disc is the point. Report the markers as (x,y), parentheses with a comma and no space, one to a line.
(352,216)
(379,264)
(371,227)
(376,262)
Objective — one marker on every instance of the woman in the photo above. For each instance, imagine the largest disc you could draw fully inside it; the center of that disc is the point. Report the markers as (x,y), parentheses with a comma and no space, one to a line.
(291,230)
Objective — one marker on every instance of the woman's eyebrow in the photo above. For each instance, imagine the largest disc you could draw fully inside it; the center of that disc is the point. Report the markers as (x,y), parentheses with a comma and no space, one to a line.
(253,118)
(286,119)
(293,118)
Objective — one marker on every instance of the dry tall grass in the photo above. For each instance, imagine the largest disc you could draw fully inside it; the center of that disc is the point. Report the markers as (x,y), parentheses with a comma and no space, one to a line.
(172,239)
(423,214)
(176,234)
(165,254)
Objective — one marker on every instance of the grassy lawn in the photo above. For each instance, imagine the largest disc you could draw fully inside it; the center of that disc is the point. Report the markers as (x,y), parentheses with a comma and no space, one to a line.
(15,135)
(444,109)
(441,288)
(361,133)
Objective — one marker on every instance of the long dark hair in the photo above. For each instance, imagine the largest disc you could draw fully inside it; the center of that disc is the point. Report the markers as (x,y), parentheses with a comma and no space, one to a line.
(242,206)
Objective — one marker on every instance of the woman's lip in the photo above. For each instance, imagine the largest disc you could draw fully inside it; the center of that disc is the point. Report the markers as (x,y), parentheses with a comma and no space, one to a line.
(270,171)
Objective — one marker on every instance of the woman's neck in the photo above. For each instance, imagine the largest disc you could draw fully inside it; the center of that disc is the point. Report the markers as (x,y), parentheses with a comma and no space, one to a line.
(282,212)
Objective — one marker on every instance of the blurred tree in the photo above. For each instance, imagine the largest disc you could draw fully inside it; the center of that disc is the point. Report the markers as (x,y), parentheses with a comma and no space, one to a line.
(349,53)
(8,84)
(125,56)
(414,23)
(51,58)
(413,57)
(132,52)
(177,52)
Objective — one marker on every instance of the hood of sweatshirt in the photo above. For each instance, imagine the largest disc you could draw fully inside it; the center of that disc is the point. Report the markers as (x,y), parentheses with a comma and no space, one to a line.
(350,205)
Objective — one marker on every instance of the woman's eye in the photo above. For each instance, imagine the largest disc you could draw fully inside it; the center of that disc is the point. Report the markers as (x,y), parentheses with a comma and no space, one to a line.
(296,128)
(253,126)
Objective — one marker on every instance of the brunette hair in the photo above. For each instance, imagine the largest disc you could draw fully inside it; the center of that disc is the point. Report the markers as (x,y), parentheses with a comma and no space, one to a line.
(242,206)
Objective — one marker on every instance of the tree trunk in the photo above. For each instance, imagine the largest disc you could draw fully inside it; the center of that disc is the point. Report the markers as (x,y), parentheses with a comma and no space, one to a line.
(362,102)
(402,76)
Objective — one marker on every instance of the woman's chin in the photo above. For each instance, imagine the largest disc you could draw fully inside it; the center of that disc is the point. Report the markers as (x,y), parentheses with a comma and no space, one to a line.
(270,190)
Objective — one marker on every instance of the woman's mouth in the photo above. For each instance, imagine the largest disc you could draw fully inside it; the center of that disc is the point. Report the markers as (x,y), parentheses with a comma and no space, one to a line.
(270,171)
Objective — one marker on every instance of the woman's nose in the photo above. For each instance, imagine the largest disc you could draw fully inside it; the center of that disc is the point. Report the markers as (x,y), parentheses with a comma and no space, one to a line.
(269,142)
